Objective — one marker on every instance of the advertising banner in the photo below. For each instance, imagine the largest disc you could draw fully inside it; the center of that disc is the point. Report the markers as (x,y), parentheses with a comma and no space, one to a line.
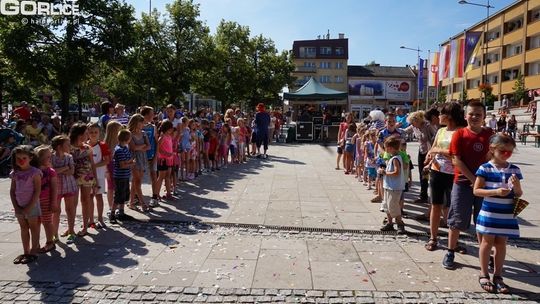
(366,89)
(398,90)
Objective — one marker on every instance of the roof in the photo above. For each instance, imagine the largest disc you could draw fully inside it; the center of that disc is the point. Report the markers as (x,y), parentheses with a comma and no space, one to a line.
(380,71)
(313,90)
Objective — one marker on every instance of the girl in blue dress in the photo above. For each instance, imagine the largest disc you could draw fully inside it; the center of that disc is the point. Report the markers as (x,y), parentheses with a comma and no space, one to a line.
(498,181)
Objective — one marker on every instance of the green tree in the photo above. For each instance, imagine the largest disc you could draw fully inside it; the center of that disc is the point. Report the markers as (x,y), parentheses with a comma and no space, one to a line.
(60,51)
(442,96)
(463,95)
(519,89)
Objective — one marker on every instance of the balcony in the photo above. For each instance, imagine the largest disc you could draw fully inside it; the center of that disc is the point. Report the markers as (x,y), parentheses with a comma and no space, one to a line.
(305,69)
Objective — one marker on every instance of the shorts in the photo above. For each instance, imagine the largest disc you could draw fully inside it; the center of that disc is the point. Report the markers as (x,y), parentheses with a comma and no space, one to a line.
(152,165)
(349,148)
(463,205)
(206,147)
(86,181)
(100,186)
(440,187)
(372,173)
(66,195)
(232,149)
(162,165)
(392,202)
(34,213)
(339,150)
(121,190)
(212,156)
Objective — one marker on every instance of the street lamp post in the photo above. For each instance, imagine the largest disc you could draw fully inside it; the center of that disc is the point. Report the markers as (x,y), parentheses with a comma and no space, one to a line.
(484,64)
(417,50)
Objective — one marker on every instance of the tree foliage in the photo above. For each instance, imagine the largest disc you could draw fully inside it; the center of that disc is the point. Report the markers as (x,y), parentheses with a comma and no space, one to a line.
(519,88)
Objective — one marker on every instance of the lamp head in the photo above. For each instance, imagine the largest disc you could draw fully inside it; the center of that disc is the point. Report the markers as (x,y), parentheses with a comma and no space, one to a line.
(402,47)
(462,2)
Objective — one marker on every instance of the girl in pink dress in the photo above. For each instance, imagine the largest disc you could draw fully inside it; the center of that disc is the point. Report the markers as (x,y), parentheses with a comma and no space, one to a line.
(165,154)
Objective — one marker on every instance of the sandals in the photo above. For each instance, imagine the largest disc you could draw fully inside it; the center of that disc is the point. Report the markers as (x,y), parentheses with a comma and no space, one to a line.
(82,233)
(431,245)
(486,284)
(49,246)
(28,258)
(18,259)
(500,286)
(376,199)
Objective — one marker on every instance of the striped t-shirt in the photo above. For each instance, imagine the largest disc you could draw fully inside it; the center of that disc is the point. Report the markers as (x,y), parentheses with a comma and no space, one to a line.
(121,153)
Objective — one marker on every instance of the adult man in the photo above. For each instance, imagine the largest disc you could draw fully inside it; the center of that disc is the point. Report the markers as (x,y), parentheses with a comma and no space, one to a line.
(262,121)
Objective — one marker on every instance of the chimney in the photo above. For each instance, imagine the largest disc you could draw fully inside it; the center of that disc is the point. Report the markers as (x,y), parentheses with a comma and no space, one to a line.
(318,37)
(328,34)
(341,36)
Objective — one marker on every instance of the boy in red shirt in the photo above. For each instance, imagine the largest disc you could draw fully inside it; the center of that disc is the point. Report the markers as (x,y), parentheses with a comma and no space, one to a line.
(469,148)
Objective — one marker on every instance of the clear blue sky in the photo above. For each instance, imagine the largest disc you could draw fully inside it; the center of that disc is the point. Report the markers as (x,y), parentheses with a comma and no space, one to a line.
(375,28)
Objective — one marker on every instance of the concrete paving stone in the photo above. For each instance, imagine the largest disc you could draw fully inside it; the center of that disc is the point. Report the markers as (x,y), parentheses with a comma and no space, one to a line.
(191,290)
(263,299)
(226,291)
(322,300)
(315,293)
(242,292)
(331,294)
(330,251)
(271,292)
(209,291)
(226,273)
(186,298)
(347,293)
(200,298)
(380,294)
(335,300)
(112,295)
(282,269)
(230,299)
(365,300)
(340,275)
(394,295)
(257,292)
(24,297)
(236,248)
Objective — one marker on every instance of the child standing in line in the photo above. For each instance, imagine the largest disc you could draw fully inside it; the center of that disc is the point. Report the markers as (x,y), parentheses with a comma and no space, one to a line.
(85,172)
(224,142)
(242,137)
(24,193)
(393,184)
(165,157)
(359,153)
(102,157)
(184,147)
(138,146)
(123,162)
(408,167)
(48,196)
(151,131)
(370,158)
(177,161)
(212,149)
(498,182)
(233,147)
(64,166)
(111,139)
(349,147)
(206,144)
(193,150)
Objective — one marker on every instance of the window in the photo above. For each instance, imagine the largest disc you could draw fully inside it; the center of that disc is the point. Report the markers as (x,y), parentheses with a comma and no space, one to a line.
(325,65)
(458,87)
(493,78)
(324,79)
(473,83)
(534,15)
(493,34)
(308,52)
(513,25)
(534,42)
(339,65)
(513,49)
(339,79)
(510,74)
(340,51)
(492,57)
(326,50)
(533,68)
(309,64)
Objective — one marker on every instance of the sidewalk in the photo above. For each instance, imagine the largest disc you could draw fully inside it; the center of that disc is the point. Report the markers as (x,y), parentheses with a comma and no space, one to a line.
(305,255)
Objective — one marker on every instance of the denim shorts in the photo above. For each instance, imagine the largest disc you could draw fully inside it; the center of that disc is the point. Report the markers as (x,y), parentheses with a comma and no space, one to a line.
(463,205)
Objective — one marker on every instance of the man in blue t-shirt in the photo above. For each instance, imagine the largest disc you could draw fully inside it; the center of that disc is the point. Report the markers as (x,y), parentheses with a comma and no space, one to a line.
(262,121)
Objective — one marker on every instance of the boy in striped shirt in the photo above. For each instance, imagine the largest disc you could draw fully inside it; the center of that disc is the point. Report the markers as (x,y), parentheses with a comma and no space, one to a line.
(122,164)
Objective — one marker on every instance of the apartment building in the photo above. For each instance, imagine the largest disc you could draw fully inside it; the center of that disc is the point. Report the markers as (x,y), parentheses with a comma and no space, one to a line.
(512,49)
(324,59)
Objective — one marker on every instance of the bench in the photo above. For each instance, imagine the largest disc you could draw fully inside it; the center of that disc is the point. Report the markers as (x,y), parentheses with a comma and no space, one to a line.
(528,132)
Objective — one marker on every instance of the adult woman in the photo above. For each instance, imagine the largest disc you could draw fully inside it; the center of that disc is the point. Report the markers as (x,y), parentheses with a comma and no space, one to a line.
(442,169)
(425,135)
(511,126)
(501,124)
(349,118)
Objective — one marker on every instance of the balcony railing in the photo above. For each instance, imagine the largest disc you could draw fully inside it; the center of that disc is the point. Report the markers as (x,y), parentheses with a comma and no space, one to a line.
(305,69)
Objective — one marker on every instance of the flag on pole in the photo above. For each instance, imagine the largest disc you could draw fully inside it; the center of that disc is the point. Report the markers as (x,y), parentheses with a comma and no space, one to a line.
(420,75)
(474,57)
(471,40)
(444,61)
(433,71)
(457,56)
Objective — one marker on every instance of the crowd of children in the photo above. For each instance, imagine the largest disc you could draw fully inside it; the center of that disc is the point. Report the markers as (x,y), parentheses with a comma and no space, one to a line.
(483,188)
(112,158)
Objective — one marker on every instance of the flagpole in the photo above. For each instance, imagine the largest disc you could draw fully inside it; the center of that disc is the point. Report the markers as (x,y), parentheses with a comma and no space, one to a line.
(428,65)
(463,67)
(437,84)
